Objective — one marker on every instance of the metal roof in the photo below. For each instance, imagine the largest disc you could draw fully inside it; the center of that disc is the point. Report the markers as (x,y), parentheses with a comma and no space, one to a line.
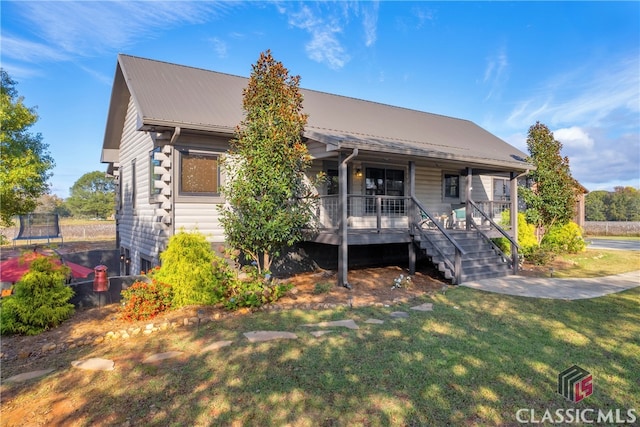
(169,95)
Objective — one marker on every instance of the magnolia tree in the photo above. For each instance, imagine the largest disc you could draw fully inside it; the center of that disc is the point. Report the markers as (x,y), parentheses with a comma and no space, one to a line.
(551,200)
(269,201)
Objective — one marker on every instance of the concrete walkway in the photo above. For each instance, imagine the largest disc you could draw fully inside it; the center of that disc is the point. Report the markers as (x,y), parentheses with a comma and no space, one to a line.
(554,288)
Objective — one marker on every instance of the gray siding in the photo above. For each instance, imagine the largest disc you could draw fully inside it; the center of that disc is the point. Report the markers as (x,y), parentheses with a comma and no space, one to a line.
(136,224)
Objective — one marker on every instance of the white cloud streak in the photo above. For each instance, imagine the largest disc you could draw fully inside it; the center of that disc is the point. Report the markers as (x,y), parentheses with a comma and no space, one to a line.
(85,28)
(496,73)
(324,46)
(592,99)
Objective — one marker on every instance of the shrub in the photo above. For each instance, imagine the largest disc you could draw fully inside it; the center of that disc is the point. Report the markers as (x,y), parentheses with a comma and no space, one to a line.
(196,274)
(540,256)
(144,300)
(565,238)
(322,288)
(526,236)
(254,290)
(40,300)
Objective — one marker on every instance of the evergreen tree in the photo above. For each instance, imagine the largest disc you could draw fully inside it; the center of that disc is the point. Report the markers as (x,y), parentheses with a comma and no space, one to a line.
(268,202)
(551,199)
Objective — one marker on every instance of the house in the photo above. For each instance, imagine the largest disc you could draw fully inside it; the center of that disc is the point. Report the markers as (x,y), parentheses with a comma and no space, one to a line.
(396,176)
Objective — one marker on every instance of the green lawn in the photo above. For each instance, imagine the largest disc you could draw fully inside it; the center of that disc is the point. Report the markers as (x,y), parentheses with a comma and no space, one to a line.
(596,263)
(476,359)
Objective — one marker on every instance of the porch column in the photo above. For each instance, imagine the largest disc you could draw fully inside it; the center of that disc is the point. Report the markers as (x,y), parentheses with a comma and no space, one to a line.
(343,251)
(412,214)
(467,208)
(514,218)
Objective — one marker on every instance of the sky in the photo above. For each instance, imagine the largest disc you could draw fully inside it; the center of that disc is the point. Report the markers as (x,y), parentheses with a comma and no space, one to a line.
(573,66)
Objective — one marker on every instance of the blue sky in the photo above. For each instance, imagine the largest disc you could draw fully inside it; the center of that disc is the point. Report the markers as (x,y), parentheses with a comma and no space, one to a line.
(574,66)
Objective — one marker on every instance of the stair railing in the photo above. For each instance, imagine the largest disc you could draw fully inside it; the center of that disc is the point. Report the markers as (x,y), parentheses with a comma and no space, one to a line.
(514,245)
(456,266)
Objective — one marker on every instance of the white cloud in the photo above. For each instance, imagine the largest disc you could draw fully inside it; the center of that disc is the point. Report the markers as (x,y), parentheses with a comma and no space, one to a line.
(583,96)
(219,47)
(574,137)
(370,23)
(83,28)
(324,46)
(19,49)
(495,73)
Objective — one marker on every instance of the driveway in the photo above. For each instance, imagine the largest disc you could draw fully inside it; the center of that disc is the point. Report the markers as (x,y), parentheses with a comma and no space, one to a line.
(626,245)
(555,288)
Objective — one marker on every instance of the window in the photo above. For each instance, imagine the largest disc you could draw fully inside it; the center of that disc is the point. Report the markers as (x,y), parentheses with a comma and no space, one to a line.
(133,183)
(384,182)
(145,265)
(121,190)
(153,176)
(332,181)
(501,189)
(451,186)
(199,174)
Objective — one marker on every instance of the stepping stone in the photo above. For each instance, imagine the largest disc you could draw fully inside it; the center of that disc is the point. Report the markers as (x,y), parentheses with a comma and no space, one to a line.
(94,364)
(216,345)
(318,334)
(258,336)
(427,306)
(28,375)
(374,321)
(163,356)
(399,315)
(346,323)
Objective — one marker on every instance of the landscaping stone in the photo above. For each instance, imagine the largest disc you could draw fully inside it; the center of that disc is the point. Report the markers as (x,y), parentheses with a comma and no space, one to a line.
(374,321)
(94,364)
(28,375)
(348,323)
(427,306)
(163,356)
(399,315)
(216,345)
(258,336)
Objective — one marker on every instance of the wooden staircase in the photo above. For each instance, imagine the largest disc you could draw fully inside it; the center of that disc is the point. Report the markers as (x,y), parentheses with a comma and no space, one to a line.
(480,260)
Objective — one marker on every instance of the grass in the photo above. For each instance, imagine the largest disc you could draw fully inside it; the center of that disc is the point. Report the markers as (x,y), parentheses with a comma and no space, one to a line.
(596,263)
(476,359)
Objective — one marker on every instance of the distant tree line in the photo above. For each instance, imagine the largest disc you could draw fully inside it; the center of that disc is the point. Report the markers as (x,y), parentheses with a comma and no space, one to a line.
(91,196)
(622,204)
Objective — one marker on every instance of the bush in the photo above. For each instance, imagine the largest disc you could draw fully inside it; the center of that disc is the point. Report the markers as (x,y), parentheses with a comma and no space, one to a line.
(254,290)
(540,256)
(196,274)
(40,300)
(144,300)
(526,236)
(566,238)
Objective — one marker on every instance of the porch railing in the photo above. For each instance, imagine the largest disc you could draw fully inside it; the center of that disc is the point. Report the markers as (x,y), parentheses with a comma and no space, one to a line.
(365,212)
(390,212)
(454,265)
(515,259)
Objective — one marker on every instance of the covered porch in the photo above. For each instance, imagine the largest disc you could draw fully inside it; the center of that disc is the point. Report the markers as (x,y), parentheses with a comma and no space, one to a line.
(352,218)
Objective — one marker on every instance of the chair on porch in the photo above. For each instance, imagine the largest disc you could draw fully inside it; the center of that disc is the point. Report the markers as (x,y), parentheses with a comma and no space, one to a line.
(458,217)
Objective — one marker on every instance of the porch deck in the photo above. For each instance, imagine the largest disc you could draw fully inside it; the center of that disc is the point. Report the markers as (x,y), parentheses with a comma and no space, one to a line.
(374,220)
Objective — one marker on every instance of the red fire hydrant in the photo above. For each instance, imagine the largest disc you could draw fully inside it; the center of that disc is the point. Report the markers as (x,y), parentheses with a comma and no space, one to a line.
(100,281)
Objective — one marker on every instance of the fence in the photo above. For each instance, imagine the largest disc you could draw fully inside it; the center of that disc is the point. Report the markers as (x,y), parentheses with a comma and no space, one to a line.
(70,232)
(612,228)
